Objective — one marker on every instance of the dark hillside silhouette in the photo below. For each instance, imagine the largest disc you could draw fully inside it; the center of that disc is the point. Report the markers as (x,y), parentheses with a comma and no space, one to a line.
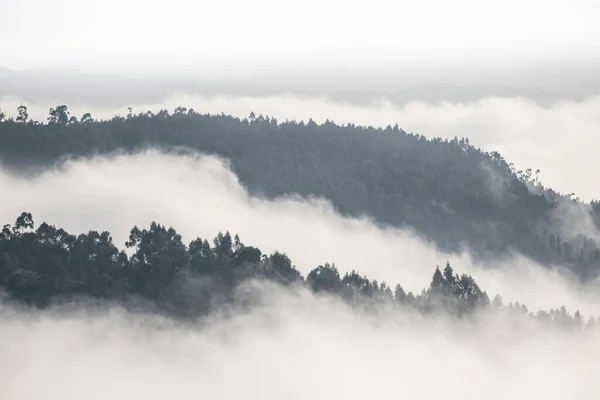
(449,191)
(42,265)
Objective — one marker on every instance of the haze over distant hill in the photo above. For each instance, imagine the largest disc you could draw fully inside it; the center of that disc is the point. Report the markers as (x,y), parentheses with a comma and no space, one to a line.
(122,89)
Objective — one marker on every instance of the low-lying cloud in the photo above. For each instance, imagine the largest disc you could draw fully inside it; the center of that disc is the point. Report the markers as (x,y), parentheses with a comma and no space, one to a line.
(294,346)
(199,196)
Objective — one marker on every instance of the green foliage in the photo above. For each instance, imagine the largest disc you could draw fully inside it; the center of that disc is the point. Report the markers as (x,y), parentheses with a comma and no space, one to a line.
(22,114)
(324,279)
(39,265)
(59,115)
(449,191)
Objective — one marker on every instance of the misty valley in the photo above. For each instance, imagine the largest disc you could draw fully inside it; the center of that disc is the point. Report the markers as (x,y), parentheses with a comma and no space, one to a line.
(318,200)
(438,250)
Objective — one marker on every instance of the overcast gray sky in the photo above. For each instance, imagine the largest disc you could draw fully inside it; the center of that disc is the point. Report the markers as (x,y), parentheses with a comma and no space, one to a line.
(536,45)
(312,35)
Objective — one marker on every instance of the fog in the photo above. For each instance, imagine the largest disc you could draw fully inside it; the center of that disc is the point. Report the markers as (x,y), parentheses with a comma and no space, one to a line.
(553,81)
(200,196)
(518,77)
(293,346)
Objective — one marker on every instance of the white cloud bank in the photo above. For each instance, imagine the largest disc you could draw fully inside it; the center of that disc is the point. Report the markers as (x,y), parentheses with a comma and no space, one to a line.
(199,196)
(293,347)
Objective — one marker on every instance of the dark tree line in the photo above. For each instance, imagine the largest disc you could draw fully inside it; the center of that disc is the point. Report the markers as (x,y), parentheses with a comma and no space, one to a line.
(449,191)
(45,264)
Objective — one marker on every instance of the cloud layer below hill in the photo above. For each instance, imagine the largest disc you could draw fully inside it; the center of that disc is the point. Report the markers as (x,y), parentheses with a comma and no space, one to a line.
(199,196)
(295,346)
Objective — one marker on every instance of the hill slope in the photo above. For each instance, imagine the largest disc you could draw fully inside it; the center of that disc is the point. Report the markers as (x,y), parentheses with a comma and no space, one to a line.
(449,191)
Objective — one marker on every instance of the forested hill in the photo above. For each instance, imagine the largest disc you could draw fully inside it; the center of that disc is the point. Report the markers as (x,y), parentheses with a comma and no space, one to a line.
(447,190)
(44,265)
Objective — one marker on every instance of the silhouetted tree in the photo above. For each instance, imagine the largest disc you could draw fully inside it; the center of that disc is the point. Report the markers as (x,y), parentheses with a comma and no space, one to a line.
(86,118)
(22,114)
(59,115)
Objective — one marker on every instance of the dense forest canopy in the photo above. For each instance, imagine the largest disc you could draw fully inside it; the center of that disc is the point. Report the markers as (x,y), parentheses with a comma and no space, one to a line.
(45,264)
(449,191)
